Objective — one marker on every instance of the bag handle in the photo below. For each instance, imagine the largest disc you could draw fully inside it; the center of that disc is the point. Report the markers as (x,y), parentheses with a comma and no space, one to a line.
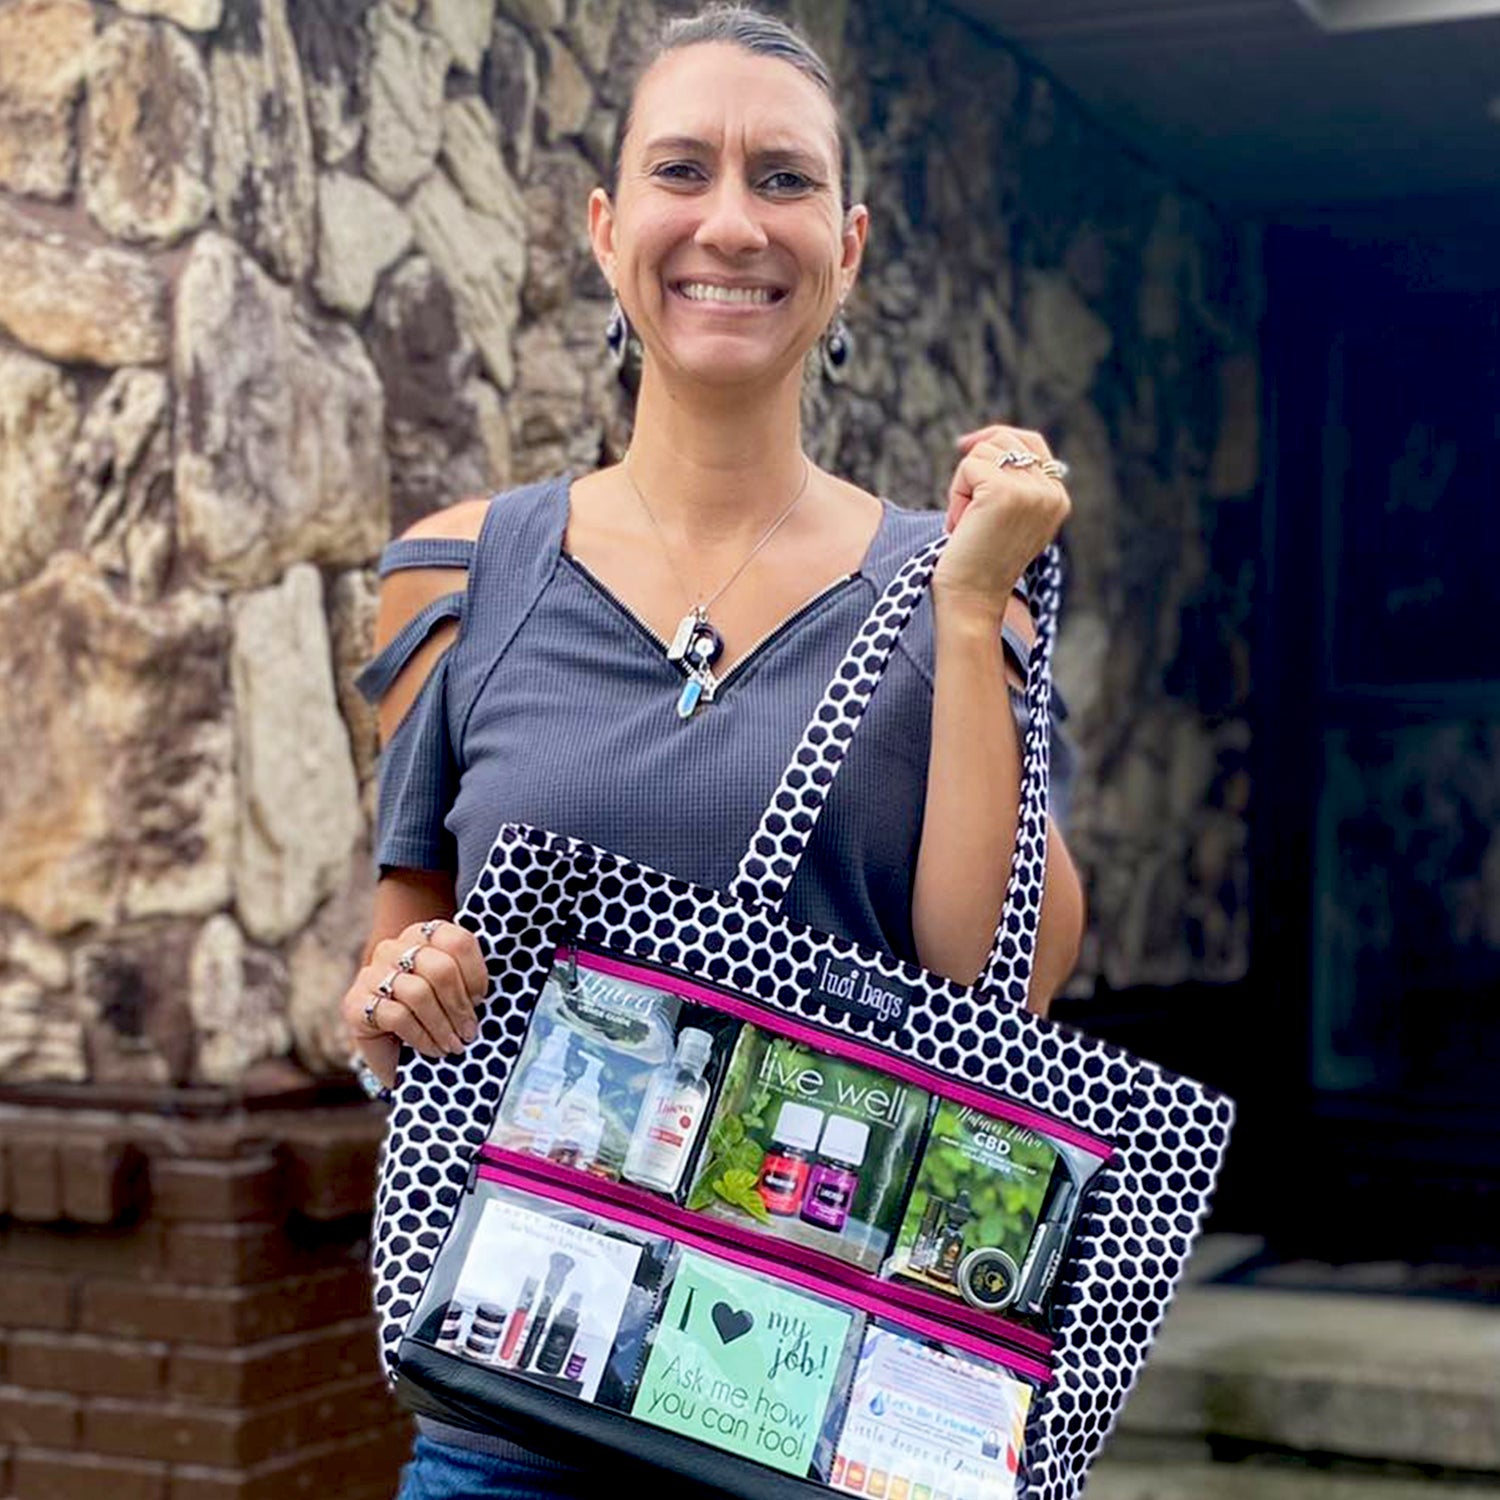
(786,826)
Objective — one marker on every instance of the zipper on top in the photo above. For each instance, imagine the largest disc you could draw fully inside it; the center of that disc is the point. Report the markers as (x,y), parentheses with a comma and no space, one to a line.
(707,993)
(750,652)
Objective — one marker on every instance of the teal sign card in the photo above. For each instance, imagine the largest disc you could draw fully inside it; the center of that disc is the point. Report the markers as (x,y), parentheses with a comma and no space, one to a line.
(743,1364)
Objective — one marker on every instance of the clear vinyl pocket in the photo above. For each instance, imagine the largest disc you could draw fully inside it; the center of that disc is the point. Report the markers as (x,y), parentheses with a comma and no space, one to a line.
(637,1334)
(855,1161)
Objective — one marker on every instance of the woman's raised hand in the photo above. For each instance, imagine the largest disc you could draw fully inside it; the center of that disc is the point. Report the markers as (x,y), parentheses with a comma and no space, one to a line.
(1001,515)
(419,987)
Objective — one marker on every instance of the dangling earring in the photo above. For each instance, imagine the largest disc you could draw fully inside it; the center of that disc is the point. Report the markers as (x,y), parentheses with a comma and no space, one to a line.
(836,347)
(617,334)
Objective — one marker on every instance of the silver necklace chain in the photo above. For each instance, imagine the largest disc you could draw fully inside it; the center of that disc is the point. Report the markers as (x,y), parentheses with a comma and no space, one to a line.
(701,607)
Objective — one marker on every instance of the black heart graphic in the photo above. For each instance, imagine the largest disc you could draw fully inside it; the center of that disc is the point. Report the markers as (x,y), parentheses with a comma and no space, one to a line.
(731,1322)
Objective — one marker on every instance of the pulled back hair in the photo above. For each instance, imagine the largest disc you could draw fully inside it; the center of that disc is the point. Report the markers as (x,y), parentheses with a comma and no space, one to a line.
(751,31)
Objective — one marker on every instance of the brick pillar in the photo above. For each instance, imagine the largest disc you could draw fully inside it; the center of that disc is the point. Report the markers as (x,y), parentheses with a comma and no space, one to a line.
(184,1308)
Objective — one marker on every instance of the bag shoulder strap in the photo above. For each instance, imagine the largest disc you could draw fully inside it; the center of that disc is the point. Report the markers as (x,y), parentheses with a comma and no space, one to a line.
(779,842)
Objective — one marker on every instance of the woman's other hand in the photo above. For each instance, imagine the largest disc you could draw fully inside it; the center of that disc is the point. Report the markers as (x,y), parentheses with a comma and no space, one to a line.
(429,1002)
(1000,517)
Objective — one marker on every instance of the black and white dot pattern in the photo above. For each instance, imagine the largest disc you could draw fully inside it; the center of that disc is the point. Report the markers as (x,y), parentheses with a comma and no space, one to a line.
(540,889)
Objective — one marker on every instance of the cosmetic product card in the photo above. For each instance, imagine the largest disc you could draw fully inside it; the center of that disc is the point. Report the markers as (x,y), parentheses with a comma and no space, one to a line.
(743,1364)
(926,1423)
(981,1187)
(809,1148)
(549,1296)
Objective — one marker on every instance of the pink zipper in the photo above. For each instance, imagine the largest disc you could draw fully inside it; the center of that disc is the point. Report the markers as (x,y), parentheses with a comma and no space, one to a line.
(814,1262)
(777,1270)
(840,1046)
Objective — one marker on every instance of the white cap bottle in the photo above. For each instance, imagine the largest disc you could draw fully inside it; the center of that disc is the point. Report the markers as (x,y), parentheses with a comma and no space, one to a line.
(671,1116)
(580,1120)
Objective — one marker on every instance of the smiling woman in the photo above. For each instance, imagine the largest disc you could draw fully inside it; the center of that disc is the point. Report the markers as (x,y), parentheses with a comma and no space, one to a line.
(637,650)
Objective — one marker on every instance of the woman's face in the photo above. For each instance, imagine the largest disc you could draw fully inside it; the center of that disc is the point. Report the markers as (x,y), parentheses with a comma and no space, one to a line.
(727,244)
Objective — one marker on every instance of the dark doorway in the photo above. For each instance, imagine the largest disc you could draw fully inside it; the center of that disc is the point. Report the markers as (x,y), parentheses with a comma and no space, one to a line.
(1364,1045)
(1378,688)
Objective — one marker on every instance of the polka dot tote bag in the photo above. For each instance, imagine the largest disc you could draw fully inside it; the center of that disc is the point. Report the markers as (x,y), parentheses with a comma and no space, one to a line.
(751,1210)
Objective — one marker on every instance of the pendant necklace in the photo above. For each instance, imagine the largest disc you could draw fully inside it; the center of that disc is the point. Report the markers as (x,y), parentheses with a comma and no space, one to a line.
(696,645)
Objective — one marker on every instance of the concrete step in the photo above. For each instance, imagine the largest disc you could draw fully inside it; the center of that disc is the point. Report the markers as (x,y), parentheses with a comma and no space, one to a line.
(1164,1480)
(1378,1379)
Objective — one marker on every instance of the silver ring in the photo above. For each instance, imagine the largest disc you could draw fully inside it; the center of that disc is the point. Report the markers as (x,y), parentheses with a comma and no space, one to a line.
(1016,458)
(1055,468)
(429,927)
(386,989)
(370,1010)
(408,960)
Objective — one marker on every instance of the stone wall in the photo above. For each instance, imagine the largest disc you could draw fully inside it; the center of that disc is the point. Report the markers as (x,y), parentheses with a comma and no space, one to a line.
(277,279)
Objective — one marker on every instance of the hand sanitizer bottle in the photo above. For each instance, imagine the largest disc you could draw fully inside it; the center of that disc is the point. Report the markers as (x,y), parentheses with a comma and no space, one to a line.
(580,1121)
(540,1085)
(671,1116)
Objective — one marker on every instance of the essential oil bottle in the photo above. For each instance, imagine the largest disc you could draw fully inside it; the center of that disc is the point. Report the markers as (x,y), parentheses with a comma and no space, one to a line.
(929,1232)
(671,1116)
(784,1173)
(951,1242)
(832,1182)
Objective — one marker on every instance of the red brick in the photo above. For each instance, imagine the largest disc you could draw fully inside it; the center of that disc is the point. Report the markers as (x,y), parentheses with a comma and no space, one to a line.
(35,1299)
(330,1166)
(224,1437)
(218,1192)
(141,1429)
(370,1461)
(34,1186)
(136,1250)
(248,1253)
(102,1180)
(84,1366)
(277,1367)
(36,1419)
(40,1474)
(223,1316)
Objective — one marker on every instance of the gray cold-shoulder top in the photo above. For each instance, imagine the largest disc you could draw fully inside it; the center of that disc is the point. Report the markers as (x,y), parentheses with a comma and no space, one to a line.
(556,706)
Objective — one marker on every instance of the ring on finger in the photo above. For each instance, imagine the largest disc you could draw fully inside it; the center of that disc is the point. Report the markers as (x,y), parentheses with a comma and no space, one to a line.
(1054,468)
(429,927)
(370,1006)
(1016,458)
(408,960)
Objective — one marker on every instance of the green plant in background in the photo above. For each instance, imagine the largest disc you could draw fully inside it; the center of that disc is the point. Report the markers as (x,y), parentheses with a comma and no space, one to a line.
(731,1166)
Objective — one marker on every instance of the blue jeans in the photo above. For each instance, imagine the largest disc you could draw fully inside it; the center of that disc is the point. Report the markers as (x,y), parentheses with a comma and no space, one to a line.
(440,1471)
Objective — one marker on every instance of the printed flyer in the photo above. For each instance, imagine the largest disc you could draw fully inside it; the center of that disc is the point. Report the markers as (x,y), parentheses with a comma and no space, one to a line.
(810,1148)
(743,1364)
(541,1297)
(924,1424)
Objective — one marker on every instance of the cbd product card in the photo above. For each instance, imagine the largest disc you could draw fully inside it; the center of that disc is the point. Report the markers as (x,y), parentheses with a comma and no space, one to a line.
(926,1423)
(981,1184)
(558,1293)
(810,1148)
(743,1364)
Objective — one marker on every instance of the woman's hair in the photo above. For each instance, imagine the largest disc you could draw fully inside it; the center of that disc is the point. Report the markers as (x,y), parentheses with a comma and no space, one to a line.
(753,32)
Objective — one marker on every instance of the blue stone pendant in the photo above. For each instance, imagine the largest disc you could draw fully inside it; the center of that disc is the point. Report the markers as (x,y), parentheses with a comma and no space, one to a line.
(690,697)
